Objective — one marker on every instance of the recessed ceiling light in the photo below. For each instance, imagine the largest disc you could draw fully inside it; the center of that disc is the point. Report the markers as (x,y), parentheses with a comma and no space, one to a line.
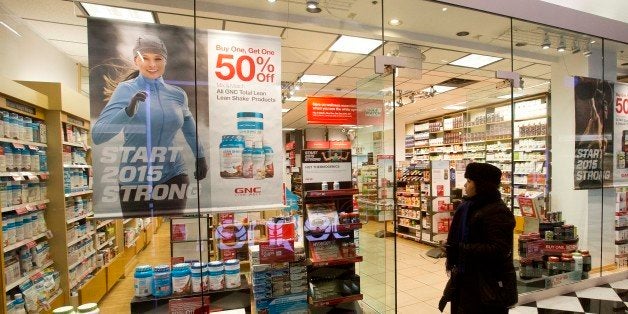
(462,34)
(438,89)
(475,61)
(272,1)
(109,12)
(592,41)
(444,9)
(561,44)
(546,42)
(355,45)
(288,129)
(395,22)
(316,79)
(521,44)
(10,28)
(296,98)
(312,6)
(284,110)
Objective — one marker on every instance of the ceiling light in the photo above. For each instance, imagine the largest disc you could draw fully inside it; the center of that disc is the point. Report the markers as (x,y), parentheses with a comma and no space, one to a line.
(296,98)
(395,22)
(288,129)
(284,110)
(272,1)
(546,42)
(109,12)
(592,41)
(475,61)
(10,28)
(462,34)
(507,96)
(587,50)
(444,9)
(355,45)
(561,44)
(312,6)
(316,79)
(298,85)
(438,89)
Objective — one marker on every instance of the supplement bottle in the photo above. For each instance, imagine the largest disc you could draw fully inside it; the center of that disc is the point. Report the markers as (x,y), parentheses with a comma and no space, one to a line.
(143,281)
(181,283)
(162,284)
(231,149)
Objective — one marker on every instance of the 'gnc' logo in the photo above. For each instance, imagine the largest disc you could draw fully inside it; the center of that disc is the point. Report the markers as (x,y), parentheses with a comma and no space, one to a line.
(248,190)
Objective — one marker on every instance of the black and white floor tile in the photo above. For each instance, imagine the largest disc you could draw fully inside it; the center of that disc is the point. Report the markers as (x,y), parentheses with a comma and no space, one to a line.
(609,298)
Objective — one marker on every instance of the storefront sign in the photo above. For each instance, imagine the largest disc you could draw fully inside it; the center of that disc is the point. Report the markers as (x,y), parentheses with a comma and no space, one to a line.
(331,110)
(144,134)
(594,125)
(245,120)
(326,166)
(620,144)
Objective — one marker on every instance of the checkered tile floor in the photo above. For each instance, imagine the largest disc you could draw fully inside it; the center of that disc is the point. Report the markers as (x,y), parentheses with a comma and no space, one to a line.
(609,298)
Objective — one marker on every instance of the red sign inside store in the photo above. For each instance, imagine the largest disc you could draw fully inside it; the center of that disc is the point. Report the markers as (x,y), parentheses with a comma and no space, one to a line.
(339,145)
(332,110)
(316,145)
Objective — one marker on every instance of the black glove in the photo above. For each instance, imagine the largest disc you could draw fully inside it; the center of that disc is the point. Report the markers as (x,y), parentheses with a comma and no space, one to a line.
(442,303)
(201,168)
(131,108)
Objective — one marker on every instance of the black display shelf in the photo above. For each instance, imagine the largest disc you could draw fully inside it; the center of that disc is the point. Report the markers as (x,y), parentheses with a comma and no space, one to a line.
(226,299)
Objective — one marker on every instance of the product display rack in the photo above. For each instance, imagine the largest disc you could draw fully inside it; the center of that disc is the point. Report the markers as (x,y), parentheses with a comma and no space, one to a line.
(26,257)
(621,228)
(485,135)
(412,199)
(331,245)
(185,242)
(86,249)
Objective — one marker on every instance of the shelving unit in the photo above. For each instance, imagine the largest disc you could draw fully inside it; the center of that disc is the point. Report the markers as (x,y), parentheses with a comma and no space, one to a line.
(185,241)
(25,188)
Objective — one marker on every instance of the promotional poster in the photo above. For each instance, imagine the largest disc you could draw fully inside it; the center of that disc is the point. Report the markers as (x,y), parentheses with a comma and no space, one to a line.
(145,114)
(594,126)
(322,168)
(244,78)
(620,144)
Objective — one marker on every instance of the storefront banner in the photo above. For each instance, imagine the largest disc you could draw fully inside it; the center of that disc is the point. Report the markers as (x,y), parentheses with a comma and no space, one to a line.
(371,112)
(326,166)
(594,125)
(620,143)
(144,125)
(331,110)
(244,76)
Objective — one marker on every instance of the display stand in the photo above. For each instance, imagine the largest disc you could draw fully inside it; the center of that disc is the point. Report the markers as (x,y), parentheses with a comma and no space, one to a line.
(186,244)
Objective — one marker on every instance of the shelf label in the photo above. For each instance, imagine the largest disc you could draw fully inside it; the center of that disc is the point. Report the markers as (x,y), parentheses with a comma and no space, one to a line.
(43,176)
(17,145)
(36,276)
(16,176)
(41,206)
(276,252)
(49,234)
(21,107)
(21,210)
(31,244)
(76,121)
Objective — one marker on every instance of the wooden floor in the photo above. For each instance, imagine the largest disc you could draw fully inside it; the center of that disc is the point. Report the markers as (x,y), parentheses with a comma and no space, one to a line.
(157,252)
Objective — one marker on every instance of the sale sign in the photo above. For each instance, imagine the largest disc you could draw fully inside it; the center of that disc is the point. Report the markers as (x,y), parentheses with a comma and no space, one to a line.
(594,125)
(332,110)
(620,144)
(245,120)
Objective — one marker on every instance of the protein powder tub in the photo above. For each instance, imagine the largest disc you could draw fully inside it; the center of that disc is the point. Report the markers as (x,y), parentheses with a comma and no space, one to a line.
(143,281)
(216,276)
(181,283)
(251,126)
(232,273)
(162,284)
(197,277)
(231,149)
(268,162)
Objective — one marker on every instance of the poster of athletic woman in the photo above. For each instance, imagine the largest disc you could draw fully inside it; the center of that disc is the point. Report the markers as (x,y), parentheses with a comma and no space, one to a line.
(149,158)
(245,121)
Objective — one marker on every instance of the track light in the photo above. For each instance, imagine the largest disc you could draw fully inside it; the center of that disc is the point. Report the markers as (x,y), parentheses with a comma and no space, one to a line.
(298,85)
(587,50)
(312,6)
(561,44)
(546,42)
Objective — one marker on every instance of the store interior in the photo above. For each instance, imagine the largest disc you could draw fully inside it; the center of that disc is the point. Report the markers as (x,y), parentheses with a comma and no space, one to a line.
(437,111)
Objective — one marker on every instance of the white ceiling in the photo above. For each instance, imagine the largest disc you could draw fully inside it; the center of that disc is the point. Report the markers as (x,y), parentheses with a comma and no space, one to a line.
(306,38)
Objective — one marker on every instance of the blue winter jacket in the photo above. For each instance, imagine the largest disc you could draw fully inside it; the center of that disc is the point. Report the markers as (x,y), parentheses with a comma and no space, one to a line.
(149,131)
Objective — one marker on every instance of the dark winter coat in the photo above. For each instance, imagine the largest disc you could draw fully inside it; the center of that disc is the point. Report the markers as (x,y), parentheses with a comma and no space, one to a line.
(480,261)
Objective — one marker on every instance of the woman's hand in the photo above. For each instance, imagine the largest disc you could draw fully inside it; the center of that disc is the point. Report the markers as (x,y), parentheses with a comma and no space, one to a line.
(131,109)
(201,169)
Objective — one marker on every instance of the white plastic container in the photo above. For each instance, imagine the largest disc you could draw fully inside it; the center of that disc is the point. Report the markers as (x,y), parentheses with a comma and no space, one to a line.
(232,273)
(216,276)
(88,308)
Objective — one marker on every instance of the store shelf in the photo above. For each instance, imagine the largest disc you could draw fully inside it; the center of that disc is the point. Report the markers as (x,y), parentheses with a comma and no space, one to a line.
(531,150)
(408,217)
(80,145)
(20,142)
(330,193)
(79,239)
(500,122)
(410,227)
(409,205)
(335,300)
(16,245)
(530,136)
(126,221)
(341,261)
(33,206)
(108,242)
(404,235)
(27,276)
(81,260)
(80,193)
(80,278)
(75,219)
(19,175)
(531,118)
(103,223)
(77,166)
(132,242)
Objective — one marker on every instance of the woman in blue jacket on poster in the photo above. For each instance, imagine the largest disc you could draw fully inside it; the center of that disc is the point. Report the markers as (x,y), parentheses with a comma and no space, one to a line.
(150,112)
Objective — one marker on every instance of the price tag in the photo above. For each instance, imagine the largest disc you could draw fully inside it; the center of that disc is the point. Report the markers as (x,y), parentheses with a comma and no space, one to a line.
(49,234)
(19,146)
(30,207)
(21,210)
(16,176)
(43,176)
(31,244)
(30,175)
(36,276)
(41,206)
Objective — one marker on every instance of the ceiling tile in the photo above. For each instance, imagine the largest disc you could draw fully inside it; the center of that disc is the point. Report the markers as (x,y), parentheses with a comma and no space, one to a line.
(294,67)
(323,69)
(442,56)
(46,10)
(307,40)
(501,65)
(253,29)
(63,32)
(73,49)
(535,70)
(345,81)
(340,58)
(433,79)
(188,21)
(453,70)
(483,73)
(287,76)
(298,55)
(359,73)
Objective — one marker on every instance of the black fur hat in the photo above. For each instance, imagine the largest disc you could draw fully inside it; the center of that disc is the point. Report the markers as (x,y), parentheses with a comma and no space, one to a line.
(484,175)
